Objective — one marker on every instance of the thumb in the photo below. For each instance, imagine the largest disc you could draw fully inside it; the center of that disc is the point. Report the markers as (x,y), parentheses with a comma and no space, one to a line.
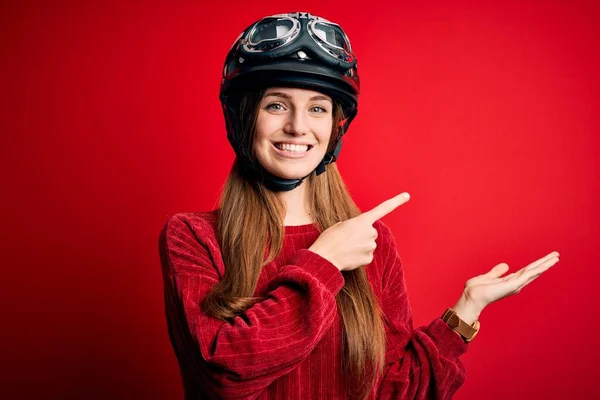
(498,271)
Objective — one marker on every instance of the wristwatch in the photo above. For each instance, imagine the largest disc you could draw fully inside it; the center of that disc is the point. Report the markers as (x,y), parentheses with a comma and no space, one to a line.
(468,332)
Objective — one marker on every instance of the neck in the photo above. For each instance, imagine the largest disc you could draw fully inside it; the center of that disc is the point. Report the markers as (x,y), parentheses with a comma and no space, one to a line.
(296,206)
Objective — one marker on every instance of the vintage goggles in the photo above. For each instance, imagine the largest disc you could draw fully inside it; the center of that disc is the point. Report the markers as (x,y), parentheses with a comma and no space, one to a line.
(301,33)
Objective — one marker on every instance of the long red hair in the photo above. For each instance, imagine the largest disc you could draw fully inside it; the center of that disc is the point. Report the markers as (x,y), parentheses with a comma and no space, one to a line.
(245,202)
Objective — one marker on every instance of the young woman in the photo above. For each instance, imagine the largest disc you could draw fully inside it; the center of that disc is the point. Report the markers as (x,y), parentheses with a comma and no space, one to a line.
(287,290)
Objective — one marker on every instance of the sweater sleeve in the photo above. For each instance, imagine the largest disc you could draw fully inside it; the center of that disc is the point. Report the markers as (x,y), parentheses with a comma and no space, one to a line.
(421,363)
(240,358)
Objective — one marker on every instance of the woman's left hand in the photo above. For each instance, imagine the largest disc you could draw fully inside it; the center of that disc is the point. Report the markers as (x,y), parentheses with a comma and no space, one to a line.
(482,290)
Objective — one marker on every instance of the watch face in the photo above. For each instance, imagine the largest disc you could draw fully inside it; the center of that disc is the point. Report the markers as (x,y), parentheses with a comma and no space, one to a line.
(453,320)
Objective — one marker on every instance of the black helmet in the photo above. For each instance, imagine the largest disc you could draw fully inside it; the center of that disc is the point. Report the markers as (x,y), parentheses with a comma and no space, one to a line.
(296,50)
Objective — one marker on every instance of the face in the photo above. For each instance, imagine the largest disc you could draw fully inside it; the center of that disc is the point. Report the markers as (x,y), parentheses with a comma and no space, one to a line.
(292,131)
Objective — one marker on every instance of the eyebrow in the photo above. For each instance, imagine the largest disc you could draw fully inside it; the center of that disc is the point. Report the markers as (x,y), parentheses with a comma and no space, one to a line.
(287,96)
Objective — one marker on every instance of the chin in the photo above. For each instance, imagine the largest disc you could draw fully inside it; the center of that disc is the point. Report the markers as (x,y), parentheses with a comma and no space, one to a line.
(292,173)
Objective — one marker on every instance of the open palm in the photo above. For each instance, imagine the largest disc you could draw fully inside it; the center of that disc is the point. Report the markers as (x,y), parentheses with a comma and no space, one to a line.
(485,289)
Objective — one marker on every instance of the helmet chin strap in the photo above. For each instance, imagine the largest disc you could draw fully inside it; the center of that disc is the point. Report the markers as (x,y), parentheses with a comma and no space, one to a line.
(278,184)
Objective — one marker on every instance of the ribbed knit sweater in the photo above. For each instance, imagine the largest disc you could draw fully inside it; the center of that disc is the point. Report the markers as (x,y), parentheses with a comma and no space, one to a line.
(289,345)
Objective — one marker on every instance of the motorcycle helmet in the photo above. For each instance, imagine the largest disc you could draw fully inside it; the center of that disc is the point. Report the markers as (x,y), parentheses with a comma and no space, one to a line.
(292,50)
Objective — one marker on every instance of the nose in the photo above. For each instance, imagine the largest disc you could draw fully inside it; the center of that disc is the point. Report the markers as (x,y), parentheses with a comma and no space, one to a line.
(296,123)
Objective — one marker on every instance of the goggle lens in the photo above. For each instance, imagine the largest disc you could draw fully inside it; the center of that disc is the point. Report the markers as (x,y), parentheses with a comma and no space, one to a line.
(332,35)
(271,29)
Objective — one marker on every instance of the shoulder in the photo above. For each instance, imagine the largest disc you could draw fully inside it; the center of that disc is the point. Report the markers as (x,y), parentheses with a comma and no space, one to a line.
(385,236)
(186,223)
(187,240)
(382,227)
(182,228)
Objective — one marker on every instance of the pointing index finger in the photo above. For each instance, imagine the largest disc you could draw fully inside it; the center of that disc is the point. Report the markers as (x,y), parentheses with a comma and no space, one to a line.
(386,207)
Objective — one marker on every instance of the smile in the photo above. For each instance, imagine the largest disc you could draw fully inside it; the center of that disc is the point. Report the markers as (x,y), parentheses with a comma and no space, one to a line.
(292,151)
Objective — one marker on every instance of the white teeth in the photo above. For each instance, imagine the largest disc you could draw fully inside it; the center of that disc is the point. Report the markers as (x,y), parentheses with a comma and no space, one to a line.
(293,148)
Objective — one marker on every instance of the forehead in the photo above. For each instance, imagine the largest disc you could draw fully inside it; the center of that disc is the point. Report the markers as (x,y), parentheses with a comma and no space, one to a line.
(296,93)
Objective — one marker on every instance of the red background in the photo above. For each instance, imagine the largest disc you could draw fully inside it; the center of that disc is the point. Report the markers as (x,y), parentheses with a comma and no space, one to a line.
(486,112)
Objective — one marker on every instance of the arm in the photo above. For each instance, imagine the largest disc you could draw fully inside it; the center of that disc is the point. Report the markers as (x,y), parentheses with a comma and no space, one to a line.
(421,363)
(238,359)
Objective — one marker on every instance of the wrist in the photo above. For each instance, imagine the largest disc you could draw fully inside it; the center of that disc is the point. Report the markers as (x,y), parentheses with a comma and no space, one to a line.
(316,251)
(466,310)
(321,254)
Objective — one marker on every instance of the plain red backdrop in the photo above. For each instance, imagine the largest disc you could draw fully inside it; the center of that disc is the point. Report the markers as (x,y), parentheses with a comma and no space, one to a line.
(486,112)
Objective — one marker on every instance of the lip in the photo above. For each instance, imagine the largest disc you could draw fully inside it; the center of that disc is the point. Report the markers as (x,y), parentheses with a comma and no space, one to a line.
(286,154)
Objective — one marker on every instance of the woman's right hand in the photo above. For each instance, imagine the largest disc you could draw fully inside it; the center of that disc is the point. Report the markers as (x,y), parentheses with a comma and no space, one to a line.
(350,244)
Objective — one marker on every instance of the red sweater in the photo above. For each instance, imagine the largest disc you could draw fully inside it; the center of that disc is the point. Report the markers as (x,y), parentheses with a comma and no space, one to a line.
(289,345)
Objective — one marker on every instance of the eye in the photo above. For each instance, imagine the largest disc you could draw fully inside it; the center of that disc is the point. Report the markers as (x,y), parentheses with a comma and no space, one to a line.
(320,109)
(275,107)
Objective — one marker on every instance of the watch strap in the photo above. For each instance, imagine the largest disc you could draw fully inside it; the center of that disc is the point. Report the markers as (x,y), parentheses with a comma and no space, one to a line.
(465,330)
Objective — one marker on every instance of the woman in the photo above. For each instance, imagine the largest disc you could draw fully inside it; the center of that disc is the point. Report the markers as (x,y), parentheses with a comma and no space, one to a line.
(288,291)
